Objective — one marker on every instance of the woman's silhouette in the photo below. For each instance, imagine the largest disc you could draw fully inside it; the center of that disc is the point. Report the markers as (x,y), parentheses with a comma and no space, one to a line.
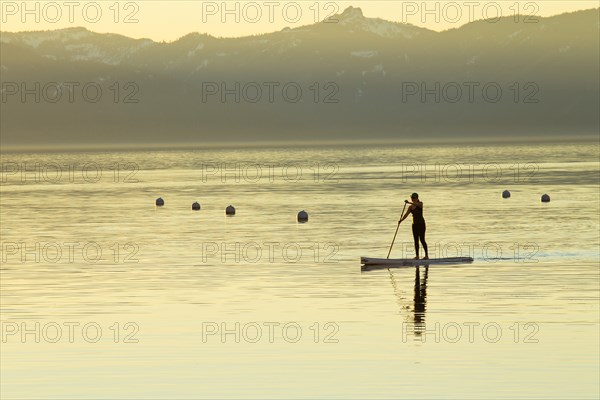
(418,227)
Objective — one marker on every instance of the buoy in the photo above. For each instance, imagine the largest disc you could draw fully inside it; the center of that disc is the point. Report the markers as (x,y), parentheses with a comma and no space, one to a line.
(196,206)
(545,198)
(160,202)
(505,194)
(302,216)
(230,210)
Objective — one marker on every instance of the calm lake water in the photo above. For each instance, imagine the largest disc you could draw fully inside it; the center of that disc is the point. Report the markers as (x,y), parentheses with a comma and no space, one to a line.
(105,295)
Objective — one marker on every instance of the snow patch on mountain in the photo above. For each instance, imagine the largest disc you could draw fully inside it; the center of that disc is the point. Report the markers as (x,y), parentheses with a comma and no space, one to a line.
(378,69)
(564,49)
(74,42)
(364,54)
(515,34)
(140,46)
(203,64)
(90,52)
(359,93)
(388,29)
(473,60)
(198,48)
(35,39)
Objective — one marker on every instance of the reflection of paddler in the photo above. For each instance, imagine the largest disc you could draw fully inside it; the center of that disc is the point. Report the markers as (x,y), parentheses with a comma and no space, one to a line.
(420,298)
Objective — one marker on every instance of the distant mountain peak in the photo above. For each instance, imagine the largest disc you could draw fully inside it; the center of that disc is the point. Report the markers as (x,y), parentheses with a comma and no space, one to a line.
(353,19)
(351,14)
(74,29)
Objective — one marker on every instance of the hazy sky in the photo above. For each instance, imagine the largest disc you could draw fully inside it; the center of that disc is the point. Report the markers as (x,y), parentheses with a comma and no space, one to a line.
(169,20)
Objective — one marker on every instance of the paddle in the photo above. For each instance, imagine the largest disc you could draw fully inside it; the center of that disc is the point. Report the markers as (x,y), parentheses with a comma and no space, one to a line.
(394,239)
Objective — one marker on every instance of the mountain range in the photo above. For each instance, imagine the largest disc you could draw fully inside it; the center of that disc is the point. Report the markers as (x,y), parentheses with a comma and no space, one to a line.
(360,79)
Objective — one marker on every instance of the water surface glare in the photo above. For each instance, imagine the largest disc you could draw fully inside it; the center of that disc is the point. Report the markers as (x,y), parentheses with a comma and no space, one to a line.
(105,295)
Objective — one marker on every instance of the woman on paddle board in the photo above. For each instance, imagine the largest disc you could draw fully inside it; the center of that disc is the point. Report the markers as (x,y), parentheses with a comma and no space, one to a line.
(418,227)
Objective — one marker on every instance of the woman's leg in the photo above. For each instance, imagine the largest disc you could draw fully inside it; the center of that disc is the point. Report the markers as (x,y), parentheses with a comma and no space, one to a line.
(422,237)
(416,238)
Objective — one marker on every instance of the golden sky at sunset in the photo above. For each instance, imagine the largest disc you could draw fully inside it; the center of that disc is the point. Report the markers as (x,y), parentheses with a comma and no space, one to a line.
(169,20)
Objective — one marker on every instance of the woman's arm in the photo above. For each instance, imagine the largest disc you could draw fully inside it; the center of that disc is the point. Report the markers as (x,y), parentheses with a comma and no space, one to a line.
(417,203)
(406,214)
